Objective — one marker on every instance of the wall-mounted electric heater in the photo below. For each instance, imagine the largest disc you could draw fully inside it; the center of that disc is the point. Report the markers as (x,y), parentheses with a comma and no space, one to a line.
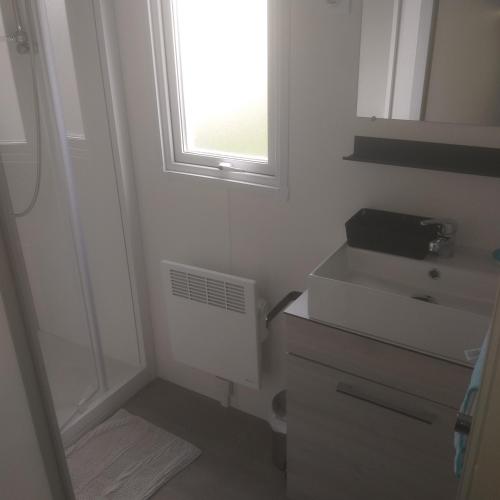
(213,322)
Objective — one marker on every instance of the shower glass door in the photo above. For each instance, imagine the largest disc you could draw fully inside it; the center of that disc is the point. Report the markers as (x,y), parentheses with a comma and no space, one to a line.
(41,219)
(71,229)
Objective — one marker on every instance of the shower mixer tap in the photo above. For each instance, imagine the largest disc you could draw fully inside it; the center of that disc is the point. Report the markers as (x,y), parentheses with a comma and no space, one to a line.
(20,35)
(20,38)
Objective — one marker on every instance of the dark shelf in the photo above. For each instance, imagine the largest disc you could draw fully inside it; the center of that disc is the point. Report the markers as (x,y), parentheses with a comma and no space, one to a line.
(472,160)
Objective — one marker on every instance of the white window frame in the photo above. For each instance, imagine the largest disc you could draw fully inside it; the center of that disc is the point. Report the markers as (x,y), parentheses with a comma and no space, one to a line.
(271,174)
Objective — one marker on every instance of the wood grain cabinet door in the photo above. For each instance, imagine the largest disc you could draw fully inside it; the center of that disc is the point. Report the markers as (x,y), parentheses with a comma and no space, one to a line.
(352,439)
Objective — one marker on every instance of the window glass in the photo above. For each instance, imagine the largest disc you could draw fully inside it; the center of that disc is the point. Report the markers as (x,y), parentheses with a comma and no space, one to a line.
(221,56)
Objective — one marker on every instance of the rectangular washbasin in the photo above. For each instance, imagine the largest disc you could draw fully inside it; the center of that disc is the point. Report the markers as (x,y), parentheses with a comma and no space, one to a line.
(440,306)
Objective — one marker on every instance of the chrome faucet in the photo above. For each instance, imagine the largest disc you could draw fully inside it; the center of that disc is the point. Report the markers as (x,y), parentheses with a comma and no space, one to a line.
(444,244)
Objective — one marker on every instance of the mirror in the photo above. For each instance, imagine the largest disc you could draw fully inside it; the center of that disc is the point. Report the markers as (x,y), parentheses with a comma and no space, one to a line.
(430,60)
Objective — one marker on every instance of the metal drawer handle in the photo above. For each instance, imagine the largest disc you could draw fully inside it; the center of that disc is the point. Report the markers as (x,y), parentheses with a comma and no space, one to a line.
(357,393)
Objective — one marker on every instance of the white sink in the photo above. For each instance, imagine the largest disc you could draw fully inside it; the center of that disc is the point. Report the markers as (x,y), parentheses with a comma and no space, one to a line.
(374,294)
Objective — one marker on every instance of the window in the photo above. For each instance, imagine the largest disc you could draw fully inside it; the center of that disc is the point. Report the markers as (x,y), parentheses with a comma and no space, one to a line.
(221,70)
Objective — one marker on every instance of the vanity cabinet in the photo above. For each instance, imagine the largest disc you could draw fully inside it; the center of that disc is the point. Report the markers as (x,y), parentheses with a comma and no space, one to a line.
(368,420)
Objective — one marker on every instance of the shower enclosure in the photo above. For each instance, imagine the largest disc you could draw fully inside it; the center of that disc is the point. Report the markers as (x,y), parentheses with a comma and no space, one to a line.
(67,205)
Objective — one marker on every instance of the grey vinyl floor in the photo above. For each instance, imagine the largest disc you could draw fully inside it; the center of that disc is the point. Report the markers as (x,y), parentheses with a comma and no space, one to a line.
(236,460)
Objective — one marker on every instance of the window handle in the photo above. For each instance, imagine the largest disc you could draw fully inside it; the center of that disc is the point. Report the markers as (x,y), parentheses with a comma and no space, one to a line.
(225,165)
(360,394)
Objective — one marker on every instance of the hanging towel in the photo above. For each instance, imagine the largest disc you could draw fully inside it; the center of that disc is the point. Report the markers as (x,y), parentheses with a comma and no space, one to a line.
(466,408)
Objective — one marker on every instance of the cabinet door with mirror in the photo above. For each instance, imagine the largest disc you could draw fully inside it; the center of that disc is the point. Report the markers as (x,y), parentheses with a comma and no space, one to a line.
(430,60)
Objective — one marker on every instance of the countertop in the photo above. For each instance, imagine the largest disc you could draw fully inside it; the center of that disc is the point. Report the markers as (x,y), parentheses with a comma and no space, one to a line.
(300,309)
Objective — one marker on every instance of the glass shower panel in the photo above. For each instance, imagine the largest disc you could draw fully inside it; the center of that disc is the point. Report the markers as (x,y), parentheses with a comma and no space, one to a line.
(45,232)
(69,218)
(77,63)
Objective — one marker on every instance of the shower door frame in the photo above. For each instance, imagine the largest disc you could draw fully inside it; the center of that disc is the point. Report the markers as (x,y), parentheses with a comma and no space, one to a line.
(122,163)
(110,72)
(66,177)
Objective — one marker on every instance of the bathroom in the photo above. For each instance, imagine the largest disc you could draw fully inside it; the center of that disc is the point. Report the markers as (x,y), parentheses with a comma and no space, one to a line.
(85,265)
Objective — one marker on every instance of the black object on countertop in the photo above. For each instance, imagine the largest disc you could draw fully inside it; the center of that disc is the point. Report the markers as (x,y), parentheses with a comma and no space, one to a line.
(390,232)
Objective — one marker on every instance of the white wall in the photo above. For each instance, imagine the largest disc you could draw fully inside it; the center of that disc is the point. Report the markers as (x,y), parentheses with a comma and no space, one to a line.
(22,473)
(278,242)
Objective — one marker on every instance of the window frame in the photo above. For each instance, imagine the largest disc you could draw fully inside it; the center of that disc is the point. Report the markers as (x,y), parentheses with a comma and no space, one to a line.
(271,174)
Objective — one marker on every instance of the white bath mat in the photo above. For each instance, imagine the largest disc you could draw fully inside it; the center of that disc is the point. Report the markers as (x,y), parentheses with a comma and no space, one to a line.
(126,458)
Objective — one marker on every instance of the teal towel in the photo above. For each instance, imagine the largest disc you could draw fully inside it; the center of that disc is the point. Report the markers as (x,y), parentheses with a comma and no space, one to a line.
(475,383)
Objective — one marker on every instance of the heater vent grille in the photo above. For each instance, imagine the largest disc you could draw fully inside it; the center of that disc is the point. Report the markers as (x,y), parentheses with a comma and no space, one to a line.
(213,292)
(213,322)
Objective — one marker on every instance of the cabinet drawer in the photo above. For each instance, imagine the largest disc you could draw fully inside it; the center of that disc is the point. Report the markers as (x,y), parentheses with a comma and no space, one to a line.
(354,439)
(403,369)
